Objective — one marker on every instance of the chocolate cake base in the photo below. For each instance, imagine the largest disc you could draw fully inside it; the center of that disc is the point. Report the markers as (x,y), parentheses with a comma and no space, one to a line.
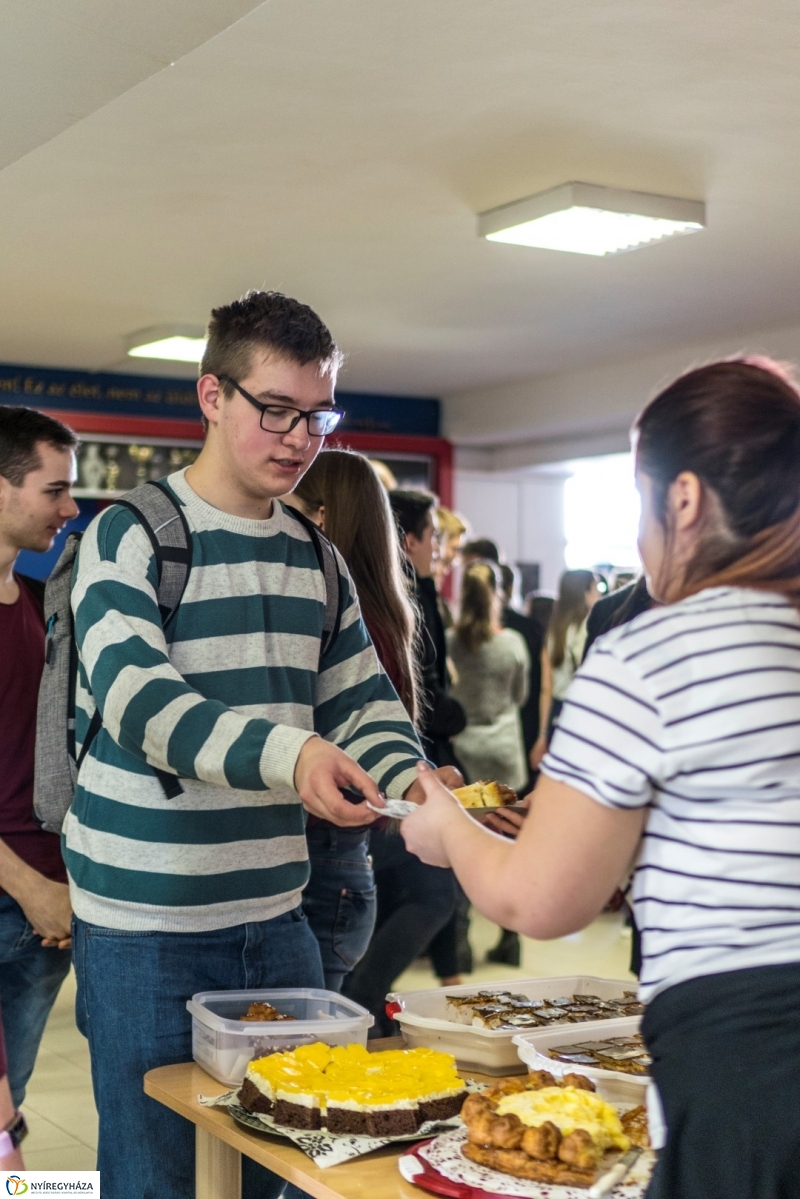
(441,1109)
(297,1115)
(252,1099)
(377,1122)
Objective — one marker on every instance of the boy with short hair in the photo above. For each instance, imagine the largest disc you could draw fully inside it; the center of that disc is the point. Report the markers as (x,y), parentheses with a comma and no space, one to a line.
(37,469)
(202,892)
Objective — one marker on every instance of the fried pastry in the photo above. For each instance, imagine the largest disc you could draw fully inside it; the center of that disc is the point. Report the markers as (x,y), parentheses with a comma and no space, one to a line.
(577,1080)
(507,1132)
(542,1142)
(544,1130)
(517,1163)
(507,1086)
(541,1078)
(578,1149)
(634,1124)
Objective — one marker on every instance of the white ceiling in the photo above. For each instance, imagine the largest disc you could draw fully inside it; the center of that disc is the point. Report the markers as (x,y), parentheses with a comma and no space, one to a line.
(340,149)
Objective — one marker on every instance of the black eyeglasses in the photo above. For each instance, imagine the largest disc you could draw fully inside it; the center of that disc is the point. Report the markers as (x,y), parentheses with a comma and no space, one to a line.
(280,418)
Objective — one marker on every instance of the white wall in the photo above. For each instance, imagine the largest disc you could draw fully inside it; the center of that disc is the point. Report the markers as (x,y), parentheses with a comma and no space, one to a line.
(579,413)
(524,514)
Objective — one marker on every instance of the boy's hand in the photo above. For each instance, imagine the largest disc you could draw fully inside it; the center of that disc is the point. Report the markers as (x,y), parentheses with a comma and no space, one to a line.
(48,909)
(448,776)
(321,771)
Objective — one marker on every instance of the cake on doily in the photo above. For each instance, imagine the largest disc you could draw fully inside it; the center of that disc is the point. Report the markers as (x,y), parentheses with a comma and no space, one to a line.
(352,1092)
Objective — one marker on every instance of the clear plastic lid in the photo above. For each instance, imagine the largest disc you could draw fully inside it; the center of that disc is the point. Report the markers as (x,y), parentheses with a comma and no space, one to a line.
(309,1007)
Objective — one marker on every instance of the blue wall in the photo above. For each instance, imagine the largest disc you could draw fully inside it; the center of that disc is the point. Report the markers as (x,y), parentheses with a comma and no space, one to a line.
(149,396)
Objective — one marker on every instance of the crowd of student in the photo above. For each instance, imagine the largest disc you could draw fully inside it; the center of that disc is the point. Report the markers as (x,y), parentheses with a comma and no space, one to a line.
(225,830)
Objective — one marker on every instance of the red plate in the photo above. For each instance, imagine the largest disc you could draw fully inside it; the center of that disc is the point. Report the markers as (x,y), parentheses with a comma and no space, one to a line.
(429,1178)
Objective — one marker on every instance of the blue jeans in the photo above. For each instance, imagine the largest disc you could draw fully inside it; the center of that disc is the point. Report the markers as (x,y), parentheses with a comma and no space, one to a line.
(30,979)
(131,1006)
(414,902)
(340,899)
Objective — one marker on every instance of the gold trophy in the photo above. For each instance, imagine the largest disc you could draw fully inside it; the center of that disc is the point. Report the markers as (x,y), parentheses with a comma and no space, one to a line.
(142,455)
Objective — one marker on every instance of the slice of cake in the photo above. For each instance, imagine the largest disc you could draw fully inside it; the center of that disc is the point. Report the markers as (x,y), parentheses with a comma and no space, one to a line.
(485,795)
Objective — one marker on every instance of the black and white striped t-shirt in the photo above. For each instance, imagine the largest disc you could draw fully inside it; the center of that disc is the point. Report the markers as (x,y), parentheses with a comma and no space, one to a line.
(694,709)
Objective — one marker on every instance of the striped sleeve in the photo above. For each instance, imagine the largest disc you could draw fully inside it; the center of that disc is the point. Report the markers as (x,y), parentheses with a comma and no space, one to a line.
(357,707)
(147,706)
(609,739)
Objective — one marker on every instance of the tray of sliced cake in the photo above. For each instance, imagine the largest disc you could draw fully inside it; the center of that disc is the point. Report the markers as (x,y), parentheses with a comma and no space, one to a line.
(477,1024)
(612,1053)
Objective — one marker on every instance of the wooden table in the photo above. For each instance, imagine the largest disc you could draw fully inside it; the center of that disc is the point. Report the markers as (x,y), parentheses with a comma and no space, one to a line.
(220,1143)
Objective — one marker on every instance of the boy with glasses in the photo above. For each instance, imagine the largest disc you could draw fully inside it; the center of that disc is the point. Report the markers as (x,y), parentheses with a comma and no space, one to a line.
(235,697)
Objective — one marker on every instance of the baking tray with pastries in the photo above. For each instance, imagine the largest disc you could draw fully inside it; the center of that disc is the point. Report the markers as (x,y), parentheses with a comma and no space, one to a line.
(551,1130)
(484,797)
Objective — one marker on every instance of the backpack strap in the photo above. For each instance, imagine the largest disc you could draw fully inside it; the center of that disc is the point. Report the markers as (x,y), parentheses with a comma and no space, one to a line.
(326,558)
(161,516)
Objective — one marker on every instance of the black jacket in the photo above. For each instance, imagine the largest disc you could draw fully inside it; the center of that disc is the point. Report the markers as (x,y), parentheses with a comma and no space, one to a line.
(616,609)
(533,633)
(442,716)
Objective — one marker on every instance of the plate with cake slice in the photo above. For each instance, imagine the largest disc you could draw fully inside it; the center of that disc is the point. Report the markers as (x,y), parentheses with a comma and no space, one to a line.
(482,798)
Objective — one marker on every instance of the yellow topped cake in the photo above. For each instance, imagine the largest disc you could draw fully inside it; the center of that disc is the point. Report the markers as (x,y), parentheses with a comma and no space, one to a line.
(485,795)
(350,1091)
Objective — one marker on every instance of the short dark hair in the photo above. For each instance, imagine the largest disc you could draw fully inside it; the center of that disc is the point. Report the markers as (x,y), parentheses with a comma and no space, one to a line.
(510,578)
(21,430)
(483,548)
(411,510)
(266,320)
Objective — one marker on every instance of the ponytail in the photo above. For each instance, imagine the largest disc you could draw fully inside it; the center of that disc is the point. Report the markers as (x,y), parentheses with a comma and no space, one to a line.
(479,588)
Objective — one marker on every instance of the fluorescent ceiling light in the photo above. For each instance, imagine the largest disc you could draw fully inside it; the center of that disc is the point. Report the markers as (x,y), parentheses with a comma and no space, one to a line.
(583,219)
(175,343)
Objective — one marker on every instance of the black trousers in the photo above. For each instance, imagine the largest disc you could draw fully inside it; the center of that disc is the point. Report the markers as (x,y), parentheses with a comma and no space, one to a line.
(726,1060)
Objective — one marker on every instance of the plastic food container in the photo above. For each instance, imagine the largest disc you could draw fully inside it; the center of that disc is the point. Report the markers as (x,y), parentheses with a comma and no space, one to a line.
(423,1019)
(224,1044)
(615,1086)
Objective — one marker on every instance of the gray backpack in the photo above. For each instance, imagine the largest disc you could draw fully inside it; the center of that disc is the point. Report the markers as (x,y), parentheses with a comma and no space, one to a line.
(57,762)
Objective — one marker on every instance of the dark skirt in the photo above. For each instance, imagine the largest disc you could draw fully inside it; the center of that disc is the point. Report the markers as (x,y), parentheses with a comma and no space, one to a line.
(726,1060)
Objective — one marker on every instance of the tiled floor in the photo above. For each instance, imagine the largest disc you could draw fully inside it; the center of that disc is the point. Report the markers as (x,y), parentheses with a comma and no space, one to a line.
(59,1104)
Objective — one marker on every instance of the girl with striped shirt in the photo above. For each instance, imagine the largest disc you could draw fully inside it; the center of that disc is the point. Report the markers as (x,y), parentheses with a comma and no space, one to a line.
(678,753)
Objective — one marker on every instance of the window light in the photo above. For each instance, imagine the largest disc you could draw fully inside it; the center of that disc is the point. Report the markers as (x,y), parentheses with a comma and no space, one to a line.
(581,218)
(175,343)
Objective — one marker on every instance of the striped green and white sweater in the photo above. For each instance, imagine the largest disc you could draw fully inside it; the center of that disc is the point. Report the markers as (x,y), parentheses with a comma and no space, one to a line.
(226,701)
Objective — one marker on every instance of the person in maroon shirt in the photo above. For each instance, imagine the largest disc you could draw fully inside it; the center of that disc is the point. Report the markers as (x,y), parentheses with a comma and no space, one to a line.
(37,469)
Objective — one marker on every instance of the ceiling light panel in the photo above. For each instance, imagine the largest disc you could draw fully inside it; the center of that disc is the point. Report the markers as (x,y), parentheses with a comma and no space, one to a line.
(172,343)
(580,218)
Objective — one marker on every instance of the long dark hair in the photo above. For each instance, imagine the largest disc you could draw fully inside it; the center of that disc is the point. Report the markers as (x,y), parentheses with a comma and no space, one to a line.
(359,522)
(736,425)
(571,608)
(479,602)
